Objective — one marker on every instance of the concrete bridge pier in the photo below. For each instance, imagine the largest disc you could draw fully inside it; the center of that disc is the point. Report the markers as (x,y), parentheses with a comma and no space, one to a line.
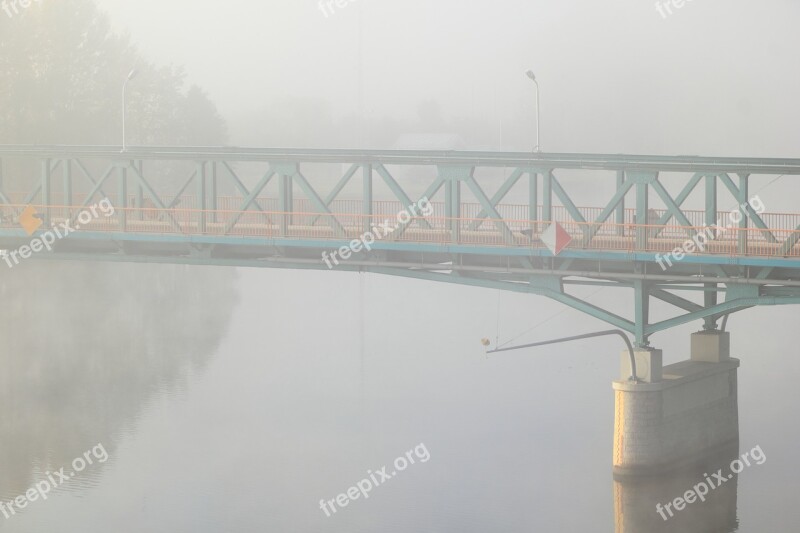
(676,414)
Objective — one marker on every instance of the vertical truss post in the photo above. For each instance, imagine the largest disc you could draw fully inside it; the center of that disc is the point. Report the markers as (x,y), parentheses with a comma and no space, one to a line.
(619,214)
(123,197)
(744,212)
(711,200)
(710,300)
(213,192)
(642,207)
(366,198)
(139,193)
(452,192)
(201,196)
(2,188)
(66,172)
(285,201)
(452,176)
(642,311)
(46,200)
(533,200)
(547,201)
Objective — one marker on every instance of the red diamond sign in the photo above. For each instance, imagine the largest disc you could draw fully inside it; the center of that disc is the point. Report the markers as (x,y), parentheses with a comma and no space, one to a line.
(556,238)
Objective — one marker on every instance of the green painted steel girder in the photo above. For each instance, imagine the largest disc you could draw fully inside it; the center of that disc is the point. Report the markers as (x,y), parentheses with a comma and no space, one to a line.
(230,182)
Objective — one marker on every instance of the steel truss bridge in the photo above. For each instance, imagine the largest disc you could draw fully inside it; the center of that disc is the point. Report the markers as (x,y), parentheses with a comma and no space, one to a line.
(283,208)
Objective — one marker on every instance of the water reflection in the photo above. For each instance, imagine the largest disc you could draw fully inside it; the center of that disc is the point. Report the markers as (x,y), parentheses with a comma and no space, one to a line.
(636,498)
(87,346)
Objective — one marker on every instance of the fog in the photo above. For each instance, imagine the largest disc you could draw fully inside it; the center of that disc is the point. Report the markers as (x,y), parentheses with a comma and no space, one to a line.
(714,78)
(234,399)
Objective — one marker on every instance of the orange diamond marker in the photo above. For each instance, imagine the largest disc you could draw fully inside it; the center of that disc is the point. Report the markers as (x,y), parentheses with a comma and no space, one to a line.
(29,220)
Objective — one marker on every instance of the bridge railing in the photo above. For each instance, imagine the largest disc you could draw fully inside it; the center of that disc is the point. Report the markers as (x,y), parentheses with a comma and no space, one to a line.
(305,214)
(269,223)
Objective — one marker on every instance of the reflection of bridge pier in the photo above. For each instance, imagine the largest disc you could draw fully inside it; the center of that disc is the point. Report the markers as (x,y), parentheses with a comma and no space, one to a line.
(677,413)
(636,499)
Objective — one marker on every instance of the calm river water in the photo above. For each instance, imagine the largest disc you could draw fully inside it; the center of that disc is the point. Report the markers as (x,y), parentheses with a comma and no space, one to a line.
(221,400)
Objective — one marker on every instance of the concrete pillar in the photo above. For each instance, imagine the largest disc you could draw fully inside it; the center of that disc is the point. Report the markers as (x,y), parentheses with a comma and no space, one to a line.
(711,346)
(649,365)
(679,412)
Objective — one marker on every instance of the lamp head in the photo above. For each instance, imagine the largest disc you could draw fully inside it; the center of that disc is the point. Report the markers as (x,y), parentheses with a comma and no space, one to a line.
(531,75)
(132,74)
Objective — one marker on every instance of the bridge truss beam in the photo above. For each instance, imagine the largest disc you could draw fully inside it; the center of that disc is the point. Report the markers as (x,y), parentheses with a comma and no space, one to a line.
(284,208)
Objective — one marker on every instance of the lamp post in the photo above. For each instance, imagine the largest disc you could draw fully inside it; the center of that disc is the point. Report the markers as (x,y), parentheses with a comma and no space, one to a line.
(132,75)
(532,76)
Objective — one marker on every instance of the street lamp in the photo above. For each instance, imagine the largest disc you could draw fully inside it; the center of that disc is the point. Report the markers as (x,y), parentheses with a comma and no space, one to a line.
(132,75)
(532,76)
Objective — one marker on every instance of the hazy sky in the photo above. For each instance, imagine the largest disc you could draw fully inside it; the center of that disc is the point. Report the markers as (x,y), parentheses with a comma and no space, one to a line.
(715,77)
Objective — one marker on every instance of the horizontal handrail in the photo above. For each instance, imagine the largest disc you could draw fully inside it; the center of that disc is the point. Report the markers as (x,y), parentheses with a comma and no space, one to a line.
(525,233)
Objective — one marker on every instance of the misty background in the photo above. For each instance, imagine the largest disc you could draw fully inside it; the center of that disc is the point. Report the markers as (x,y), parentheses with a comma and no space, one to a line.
(312,377)
(715,78)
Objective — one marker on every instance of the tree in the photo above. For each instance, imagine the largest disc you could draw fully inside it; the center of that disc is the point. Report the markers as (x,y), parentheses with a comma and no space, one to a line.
(61,75)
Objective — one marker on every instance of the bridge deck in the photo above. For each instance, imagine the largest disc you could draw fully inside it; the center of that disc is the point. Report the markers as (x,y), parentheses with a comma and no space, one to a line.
(479,232)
